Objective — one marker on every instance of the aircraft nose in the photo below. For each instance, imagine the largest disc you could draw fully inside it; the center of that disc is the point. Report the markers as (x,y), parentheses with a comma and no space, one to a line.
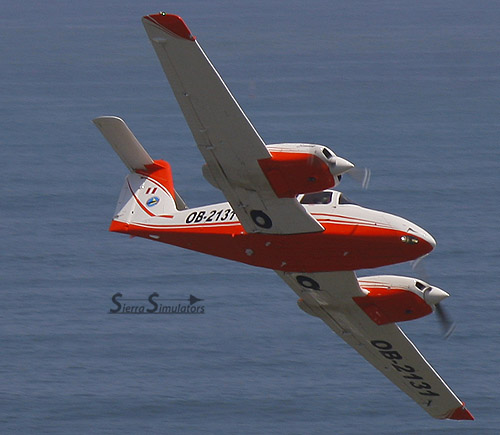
(412,230)
(419,239)
(428,238)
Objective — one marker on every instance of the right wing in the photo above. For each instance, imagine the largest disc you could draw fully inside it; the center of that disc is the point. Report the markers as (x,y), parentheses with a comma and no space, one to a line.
(227,140)
(328,295)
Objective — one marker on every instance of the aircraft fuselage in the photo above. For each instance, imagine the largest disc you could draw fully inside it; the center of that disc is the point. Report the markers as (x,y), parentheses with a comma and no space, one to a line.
(354,238)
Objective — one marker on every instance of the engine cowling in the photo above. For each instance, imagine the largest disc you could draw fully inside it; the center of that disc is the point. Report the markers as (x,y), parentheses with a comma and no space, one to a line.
(391,299)
(296,168)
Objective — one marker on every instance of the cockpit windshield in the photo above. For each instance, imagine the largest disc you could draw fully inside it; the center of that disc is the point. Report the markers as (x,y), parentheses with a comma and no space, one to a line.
(317,198)
(326,197)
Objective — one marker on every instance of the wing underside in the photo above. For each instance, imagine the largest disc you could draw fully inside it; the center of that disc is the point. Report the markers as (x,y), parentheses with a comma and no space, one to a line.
(328,295)
(227,140)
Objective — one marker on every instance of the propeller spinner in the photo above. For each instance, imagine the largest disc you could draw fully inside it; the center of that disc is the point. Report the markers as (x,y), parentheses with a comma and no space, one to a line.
(434,297)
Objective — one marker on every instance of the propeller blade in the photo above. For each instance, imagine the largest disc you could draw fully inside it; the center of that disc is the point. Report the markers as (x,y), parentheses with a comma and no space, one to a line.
(418,267)
(445,321)
(361,176)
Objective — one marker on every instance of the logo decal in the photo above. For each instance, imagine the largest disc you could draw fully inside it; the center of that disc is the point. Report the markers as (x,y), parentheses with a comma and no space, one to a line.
(152,201)
(156,305)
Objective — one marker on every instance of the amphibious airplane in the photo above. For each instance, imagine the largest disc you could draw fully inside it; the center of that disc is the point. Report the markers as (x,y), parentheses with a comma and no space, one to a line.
(282,214)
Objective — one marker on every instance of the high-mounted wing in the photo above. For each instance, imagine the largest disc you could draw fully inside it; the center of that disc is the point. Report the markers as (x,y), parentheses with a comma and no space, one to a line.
(329,296)
(226,138)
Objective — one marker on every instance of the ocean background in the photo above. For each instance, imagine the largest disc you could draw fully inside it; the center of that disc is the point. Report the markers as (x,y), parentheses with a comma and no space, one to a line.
(408,89)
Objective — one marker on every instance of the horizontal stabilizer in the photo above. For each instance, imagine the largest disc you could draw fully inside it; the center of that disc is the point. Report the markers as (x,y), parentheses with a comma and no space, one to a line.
(123,142)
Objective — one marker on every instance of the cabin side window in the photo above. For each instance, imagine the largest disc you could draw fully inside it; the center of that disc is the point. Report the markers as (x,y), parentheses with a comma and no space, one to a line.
(345,200)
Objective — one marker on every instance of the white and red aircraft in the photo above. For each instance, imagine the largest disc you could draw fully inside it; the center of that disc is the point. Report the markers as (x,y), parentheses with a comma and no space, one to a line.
(281,214)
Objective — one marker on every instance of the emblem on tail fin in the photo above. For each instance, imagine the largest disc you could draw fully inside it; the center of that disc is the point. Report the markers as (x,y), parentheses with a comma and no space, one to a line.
(151,202)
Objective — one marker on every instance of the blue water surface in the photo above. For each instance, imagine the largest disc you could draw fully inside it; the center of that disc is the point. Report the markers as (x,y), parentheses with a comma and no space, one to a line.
(409,89)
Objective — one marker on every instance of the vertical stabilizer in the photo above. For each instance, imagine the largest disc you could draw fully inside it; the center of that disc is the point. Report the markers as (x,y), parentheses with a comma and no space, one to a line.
(138,161)
(145,195)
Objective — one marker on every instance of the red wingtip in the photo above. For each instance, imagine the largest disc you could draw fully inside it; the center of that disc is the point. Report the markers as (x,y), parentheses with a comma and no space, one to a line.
(173,23)
(461,413)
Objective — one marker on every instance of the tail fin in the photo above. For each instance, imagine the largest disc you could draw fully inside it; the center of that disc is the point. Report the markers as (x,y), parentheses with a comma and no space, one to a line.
(149,188)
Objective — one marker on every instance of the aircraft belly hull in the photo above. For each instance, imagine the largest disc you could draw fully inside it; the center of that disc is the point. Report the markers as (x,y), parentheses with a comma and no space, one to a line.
(339,247)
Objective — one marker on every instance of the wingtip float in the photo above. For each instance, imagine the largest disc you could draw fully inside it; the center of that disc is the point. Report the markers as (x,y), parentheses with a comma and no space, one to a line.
(282,214)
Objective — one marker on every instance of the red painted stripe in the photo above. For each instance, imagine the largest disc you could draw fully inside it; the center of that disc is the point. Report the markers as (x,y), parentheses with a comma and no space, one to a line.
(354,219)
(185,226)
(139,202)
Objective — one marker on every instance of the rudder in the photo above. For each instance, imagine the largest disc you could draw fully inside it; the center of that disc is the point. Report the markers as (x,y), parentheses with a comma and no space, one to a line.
(145,194)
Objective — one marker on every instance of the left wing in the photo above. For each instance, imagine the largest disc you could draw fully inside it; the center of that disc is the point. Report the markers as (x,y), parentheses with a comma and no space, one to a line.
(226,138)
(328,295)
